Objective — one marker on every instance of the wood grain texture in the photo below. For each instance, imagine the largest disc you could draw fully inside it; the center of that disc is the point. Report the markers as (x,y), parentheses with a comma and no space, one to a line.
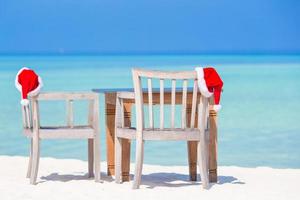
(173,95)
(36,143)
(90,131)
(192,146)
(150,103)
(96,145)
(213,144)
(142,133)
(184,96)
(70,115)
(161,101)
(194,105)
(63,132)
(90,141)
(91,157)
(126,144)
(125,120)
(110,102)
(48,96)
(165,74)
(118,141)
(202,148)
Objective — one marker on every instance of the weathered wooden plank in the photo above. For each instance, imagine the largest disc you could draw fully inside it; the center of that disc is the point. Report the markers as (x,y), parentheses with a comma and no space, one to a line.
(202,144)
(183,112)
(150,104)
(213,144)
(192,147)
(124,95)
(166,75)
(161,124)
(65,96)
(194,104)
(173,100)
(97,153)
(110,109)
(70,116)
(126,144)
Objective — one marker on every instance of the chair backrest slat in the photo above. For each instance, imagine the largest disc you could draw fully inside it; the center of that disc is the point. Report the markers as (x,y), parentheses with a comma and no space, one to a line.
(173,95)
(26,117)
(70,116)
(122,115)
(203,112)
(194,104)
(183,113)
(90,113)
(161,95)
(150,103)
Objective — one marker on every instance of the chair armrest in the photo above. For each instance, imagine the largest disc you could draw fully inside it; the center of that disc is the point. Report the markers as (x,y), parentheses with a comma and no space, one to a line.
(66,96)
(119,119)
(69,97)
(125,95)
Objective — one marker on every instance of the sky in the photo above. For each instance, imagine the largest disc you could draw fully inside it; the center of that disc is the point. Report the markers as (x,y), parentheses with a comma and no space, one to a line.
(150,26)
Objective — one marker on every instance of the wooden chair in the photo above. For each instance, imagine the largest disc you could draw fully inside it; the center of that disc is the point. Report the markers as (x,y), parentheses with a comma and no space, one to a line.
(33,130)
(140,133)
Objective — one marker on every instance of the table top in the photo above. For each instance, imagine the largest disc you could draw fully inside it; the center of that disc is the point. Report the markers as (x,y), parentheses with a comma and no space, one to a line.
(114,90)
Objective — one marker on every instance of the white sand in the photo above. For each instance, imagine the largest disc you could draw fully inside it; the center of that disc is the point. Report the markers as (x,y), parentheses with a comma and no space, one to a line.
(67,179)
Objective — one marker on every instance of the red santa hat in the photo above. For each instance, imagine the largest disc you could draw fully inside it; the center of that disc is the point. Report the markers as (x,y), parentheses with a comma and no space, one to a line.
(210,83)
(28,83)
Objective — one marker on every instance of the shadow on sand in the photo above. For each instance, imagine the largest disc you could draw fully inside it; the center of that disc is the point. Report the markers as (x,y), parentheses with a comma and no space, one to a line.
(151,180)
(180,180)
(71,177)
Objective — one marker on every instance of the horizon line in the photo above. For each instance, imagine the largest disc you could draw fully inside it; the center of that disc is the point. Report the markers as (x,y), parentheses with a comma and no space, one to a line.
(122,53)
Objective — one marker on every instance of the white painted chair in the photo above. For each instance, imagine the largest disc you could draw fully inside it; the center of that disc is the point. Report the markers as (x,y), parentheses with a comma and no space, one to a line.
(33,130)
(141,134)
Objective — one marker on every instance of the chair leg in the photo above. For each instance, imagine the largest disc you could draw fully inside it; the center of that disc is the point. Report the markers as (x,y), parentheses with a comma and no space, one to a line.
(118,159)
(97,158)
(30,160)
(91,157)
(203,161)
(139,155)
(35,160)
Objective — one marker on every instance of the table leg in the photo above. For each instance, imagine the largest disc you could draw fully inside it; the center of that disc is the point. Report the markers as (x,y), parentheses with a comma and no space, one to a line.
(192,156)
(126,144)
(110,112)
(192,148)
(213,145)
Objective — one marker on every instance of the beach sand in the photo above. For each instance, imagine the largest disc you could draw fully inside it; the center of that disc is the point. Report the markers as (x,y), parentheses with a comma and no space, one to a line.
(67,179)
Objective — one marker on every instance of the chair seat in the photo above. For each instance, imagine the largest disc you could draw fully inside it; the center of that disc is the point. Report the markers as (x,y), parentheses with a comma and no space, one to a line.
(63,132)
(158,134)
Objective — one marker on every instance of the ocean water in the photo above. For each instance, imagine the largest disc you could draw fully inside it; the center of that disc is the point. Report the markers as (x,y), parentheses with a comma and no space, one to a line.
(259,124)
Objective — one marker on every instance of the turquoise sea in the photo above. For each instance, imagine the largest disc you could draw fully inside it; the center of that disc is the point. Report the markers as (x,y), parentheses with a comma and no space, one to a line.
(259,124)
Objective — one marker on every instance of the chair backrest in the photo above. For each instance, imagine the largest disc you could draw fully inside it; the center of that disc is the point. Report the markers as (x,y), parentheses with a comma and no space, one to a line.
(181,76)
(31,116)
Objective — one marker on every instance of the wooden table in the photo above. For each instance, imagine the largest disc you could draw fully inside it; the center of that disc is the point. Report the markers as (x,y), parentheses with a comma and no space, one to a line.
(110,106)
